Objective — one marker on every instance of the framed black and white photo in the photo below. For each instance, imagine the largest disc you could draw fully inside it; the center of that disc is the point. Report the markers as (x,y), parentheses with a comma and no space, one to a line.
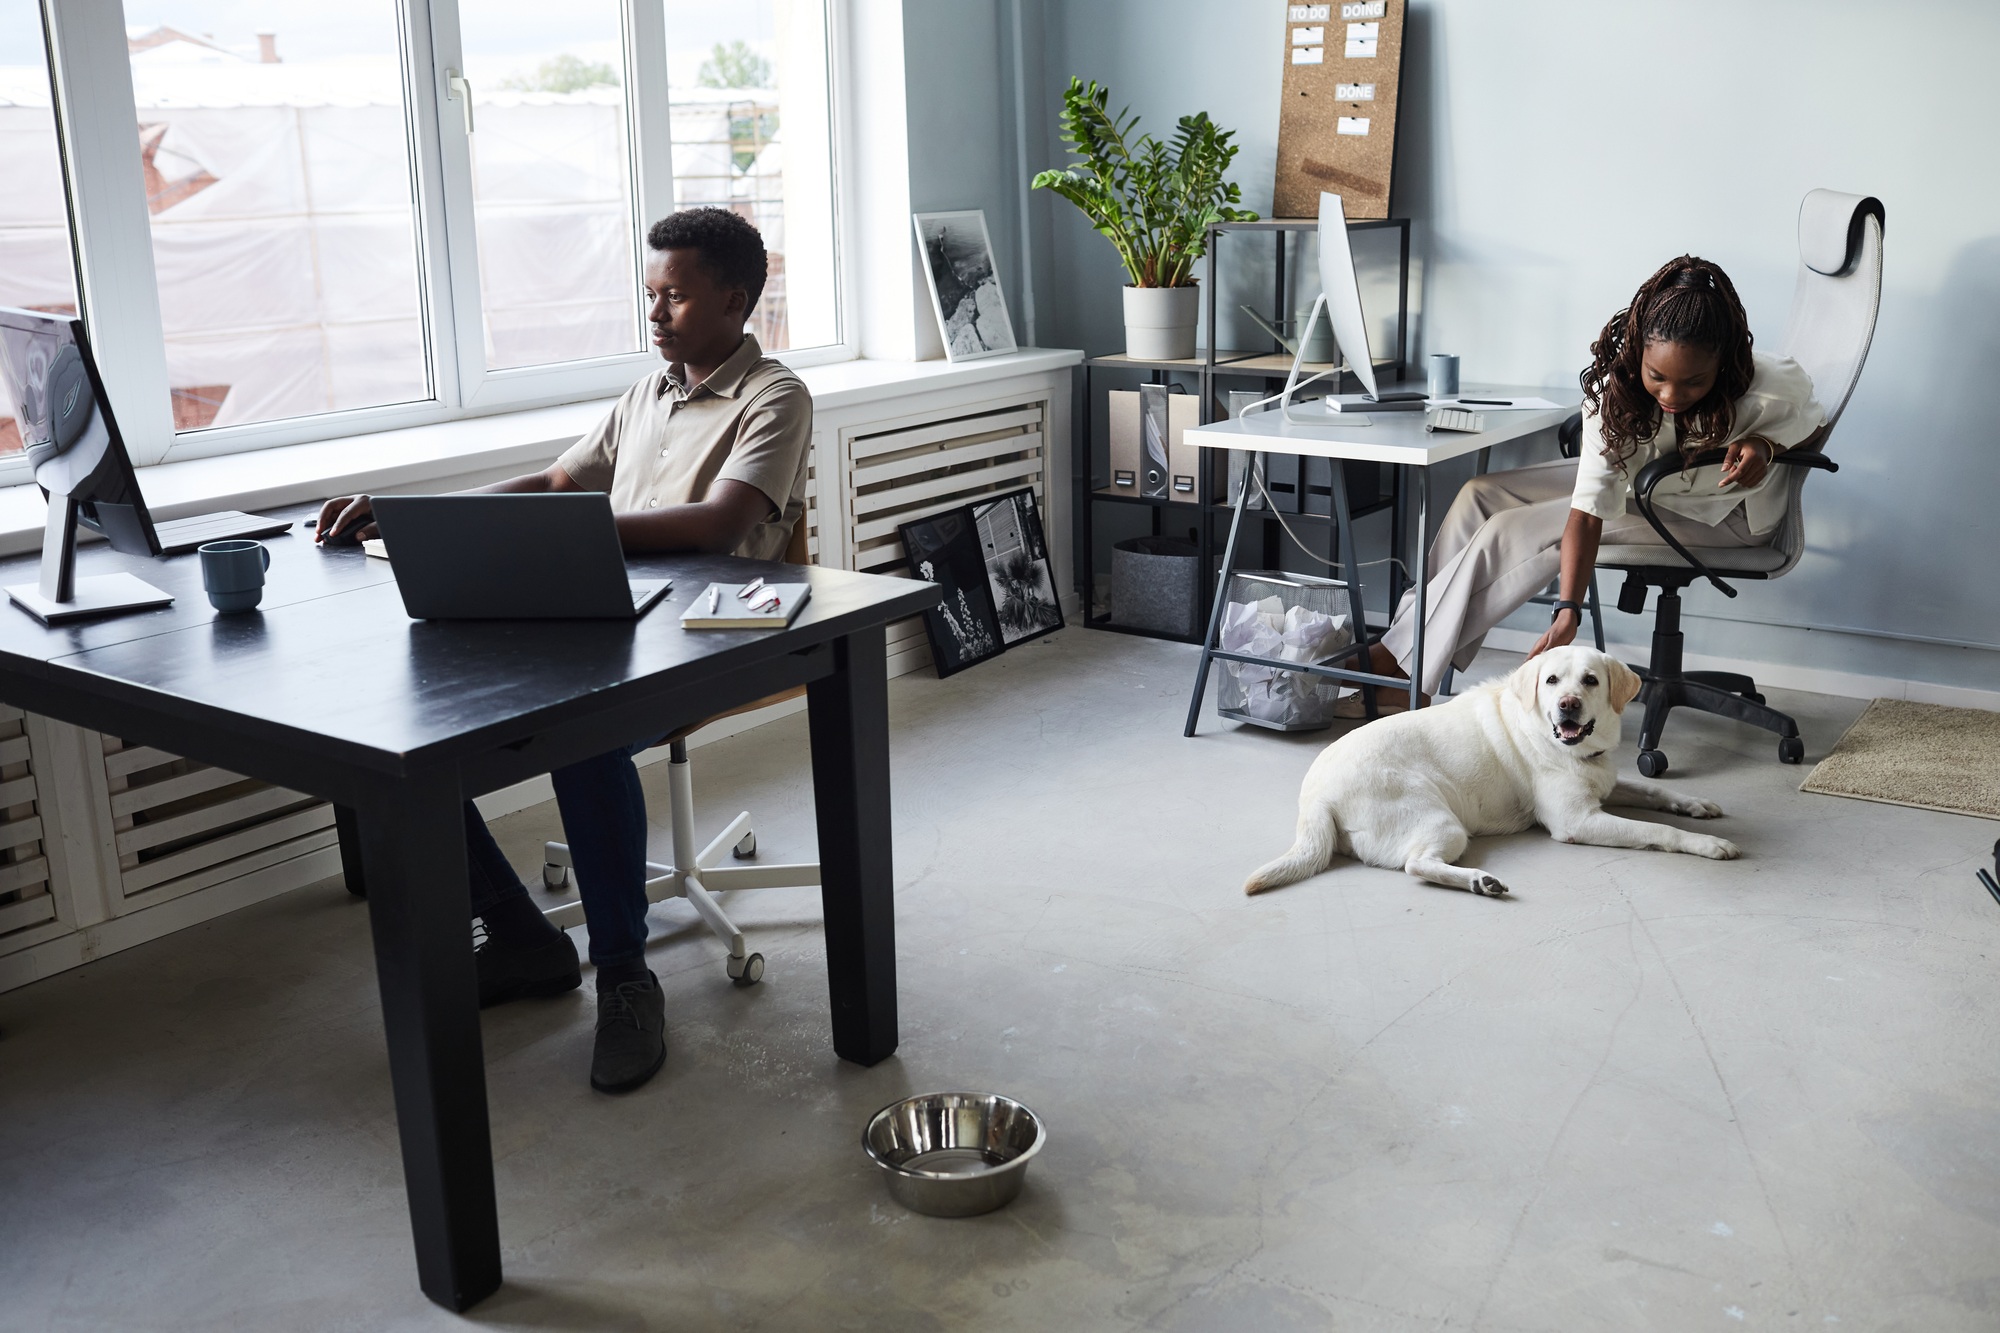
(1018,574)
(944,549)
(965,289)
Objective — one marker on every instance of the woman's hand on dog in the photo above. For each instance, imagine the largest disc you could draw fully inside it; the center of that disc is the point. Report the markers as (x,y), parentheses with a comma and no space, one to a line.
(1560,633)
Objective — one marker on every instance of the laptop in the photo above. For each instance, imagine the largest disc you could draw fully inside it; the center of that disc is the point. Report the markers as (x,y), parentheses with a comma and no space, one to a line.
(511,557)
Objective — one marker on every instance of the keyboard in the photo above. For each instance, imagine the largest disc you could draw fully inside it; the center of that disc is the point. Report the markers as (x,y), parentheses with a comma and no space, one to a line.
(180,535)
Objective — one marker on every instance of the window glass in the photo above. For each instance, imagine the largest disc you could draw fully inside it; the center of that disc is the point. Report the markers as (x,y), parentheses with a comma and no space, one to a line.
(37,267)
(277,164)
(751,121)
(552,180)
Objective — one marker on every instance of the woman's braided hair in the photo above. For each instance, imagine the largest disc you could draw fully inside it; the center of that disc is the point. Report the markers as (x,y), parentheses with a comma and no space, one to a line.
(1689,301)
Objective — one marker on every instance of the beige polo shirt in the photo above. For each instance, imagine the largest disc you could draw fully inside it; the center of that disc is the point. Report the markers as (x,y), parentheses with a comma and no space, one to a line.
(1779,406)
(665,444)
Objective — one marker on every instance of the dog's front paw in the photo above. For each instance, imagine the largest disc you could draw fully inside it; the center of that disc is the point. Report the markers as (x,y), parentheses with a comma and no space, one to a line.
(1487,887)
(1715,849)
(1696,808)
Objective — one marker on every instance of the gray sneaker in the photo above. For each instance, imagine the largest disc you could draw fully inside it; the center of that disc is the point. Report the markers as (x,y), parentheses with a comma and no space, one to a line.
(631,1042)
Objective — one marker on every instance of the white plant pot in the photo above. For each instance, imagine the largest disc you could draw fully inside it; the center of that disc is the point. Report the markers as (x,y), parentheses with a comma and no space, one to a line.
(1159,322)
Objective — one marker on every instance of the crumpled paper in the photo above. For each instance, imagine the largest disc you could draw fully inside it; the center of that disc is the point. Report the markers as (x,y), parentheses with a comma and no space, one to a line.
(1269,628)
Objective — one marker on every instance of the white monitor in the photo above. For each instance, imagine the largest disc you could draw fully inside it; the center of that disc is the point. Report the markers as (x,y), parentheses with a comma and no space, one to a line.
(1343,291)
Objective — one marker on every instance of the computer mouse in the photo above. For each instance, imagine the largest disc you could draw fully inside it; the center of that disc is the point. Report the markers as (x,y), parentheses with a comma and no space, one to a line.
(350,537)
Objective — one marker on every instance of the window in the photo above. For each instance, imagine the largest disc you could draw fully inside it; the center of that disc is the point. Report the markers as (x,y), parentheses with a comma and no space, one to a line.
(277,175)
(359,214)
(750,132)
(36,266)
(553,182)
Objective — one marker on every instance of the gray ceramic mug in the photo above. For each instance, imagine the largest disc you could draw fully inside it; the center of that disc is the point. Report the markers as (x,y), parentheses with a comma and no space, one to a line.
(1443,378)
(233,573)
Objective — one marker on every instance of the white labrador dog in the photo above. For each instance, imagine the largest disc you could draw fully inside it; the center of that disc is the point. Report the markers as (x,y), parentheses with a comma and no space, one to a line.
(1408,790)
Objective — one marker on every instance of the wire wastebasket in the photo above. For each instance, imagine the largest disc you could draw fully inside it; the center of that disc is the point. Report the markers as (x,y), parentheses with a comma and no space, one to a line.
(1291,618)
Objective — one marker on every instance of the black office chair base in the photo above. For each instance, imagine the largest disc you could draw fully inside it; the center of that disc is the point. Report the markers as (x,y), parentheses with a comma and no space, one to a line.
(1667,686)
(1720,692)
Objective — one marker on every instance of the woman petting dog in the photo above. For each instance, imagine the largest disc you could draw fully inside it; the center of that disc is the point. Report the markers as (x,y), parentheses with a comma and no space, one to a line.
(1672,371)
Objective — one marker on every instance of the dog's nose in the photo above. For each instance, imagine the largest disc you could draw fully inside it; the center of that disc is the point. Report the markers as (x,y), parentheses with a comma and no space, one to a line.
(1569,704)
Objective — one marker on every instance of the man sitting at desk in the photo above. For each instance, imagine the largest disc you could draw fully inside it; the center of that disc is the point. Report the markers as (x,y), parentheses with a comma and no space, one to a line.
(706,454)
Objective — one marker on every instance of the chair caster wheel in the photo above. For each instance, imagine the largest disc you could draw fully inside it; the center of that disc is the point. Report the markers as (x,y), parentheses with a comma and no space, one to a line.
(1652,763)
(1791,750)
(1753,697)
(746,846)
(554,878)
(746,971)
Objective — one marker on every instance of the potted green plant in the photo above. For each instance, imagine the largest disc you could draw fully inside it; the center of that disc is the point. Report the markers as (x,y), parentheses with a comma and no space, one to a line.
(1154,202)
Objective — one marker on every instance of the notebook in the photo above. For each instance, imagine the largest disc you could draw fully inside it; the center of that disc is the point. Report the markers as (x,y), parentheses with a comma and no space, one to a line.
(718,606)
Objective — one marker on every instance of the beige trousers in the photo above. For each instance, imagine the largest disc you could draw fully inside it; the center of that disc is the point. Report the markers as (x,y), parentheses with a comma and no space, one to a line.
(1500,544)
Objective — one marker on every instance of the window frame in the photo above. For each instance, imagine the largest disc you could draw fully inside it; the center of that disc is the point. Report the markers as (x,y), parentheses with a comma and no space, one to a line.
(111,232)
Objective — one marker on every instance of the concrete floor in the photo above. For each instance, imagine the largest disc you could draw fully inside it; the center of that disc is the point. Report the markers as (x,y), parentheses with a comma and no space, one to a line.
(1649,1092)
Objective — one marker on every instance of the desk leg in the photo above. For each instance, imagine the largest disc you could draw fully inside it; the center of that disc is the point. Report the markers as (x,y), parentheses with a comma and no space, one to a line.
(419,905)
(1423,580)
(347,827)
(848,717)
(1221,595)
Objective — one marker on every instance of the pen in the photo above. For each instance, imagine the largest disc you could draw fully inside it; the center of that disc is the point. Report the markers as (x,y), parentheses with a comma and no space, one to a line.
(714,596)
(1487,402)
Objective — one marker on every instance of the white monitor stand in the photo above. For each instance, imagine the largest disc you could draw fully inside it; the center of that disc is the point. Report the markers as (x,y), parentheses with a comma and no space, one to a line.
(61,595)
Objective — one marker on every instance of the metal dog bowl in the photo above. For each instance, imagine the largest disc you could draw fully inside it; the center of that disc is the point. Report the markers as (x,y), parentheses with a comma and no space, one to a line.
(954,1154)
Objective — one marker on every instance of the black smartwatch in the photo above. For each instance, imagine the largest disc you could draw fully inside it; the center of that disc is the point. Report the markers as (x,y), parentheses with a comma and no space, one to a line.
(1561,607)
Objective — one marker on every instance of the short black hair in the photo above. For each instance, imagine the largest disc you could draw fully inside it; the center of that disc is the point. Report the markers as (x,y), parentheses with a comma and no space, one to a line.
(731,248)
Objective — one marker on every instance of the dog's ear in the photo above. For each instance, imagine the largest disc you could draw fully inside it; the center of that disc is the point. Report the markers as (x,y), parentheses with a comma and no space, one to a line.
(1624,684)
(1522,683)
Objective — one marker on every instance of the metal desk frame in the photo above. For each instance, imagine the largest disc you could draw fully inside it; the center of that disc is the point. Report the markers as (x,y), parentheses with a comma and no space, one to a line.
(1510,426)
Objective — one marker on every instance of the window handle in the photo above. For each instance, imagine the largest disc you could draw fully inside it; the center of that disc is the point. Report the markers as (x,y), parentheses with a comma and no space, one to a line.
(459,89)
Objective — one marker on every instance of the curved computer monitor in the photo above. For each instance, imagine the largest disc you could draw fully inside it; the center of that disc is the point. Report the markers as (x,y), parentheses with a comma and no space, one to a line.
(1343,291)
(67,430)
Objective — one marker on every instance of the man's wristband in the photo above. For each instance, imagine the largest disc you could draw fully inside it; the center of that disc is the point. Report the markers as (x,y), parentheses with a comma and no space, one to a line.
(1561,607)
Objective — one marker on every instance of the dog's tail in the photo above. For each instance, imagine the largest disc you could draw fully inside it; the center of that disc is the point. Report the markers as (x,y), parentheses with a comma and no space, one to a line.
(1312,851)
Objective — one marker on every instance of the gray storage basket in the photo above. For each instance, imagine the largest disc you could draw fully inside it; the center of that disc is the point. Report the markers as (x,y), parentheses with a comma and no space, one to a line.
(1153,585)
(1313,609)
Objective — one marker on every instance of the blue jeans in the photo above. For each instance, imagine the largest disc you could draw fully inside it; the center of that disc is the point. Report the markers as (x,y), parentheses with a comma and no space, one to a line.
(604,819)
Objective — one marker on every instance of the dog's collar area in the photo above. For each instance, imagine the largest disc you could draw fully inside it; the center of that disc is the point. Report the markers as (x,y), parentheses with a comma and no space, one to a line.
(1576,737)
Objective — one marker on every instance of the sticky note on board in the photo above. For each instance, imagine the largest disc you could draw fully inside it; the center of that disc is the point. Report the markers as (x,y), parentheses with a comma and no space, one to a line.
(1351,125)
(1353,92)
(1308,36)
(1308,55)
(1310,13)
(1365,9)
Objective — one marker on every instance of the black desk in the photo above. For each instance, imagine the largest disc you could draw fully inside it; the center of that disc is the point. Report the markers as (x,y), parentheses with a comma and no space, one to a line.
(331,690)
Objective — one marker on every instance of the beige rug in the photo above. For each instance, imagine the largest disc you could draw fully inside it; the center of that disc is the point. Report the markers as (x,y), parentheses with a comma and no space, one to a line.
(1924,755)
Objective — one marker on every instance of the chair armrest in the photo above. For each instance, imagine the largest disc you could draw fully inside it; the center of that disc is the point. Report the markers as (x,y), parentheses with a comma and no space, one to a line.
(1569,436)
(1652,475)
(1671,464)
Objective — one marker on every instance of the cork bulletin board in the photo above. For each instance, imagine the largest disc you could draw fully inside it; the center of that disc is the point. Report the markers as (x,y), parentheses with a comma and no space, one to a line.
(1337,124)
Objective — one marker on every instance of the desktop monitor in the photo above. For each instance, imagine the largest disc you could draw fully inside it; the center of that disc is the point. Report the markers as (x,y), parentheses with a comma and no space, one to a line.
(1340,295)
(67,429)
(72,442)
(1343,291)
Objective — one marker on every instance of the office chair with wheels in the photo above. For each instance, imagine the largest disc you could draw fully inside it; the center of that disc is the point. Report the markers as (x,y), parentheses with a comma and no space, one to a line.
(699,875)
(1834,304)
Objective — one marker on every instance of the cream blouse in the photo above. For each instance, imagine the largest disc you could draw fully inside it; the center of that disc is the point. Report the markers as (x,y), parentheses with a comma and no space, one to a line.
(1779,406)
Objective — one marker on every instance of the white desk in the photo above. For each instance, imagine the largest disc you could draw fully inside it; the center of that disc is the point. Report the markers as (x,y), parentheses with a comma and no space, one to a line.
(1390,437)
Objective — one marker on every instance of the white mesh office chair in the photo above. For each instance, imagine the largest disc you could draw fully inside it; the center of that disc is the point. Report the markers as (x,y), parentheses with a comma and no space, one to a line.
(1834,304)
(699,875)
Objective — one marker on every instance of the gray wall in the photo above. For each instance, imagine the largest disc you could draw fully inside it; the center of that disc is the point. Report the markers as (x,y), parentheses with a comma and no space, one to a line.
(959,82)
(1552,157)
